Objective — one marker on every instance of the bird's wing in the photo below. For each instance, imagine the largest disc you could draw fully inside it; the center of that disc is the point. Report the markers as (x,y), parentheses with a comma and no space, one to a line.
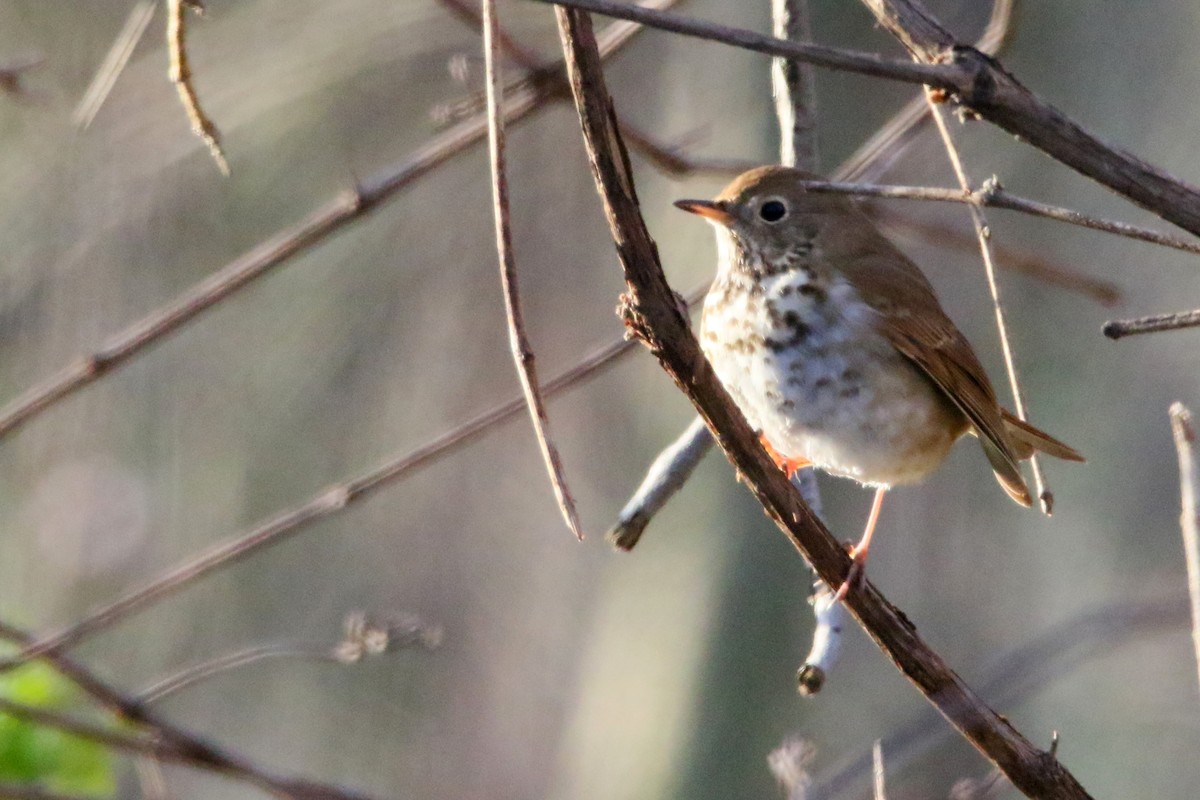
(912,320)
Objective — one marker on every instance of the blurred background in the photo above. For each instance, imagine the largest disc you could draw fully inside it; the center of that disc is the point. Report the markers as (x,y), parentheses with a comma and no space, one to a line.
(567,670)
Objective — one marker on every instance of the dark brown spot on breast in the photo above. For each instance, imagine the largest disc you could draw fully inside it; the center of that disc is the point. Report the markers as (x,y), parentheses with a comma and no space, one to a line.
(814,292)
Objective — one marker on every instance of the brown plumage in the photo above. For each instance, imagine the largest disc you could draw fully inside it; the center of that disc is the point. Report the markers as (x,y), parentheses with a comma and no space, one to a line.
(843,243)
(835,346)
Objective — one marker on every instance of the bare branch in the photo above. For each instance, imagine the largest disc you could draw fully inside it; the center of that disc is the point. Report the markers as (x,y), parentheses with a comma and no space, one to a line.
(258,261)
(114,63)
(518,340)
(666,475)
(653,315)
(794,84)
(675,161)
(293,520)
(876,156)
(978,82)
(1021,672)
(362,638)
(945,77)
(992,195)
(827,635)
(191,750)
(1184,433)
(1119,328)
(175,753)
(181,76)
(984,235)
(670,160)
(878,773)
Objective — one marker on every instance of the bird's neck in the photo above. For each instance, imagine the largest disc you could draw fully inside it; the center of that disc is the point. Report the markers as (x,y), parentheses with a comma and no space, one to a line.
(739,260)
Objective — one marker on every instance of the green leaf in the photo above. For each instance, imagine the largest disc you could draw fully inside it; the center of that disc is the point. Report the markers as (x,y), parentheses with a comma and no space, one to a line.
(50,758)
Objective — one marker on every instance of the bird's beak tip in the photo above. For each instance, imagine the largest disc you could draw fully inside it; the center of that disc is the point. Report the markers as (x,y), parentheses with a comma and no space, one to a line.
(707,209)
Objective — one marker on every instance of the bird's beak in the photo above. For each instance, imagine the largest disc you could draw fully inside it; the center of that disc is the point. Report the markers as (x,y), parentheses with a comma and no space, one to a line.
(708,209)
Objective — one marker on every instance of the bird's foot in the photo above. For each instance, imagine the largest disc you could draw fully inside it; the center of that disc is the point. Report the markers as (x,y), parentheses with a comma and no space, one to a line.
(789,465)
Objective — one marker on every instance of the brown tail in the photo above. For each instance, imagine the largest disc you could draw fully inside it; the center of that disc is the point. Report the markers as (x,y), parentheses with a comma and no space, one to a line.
(1025,439)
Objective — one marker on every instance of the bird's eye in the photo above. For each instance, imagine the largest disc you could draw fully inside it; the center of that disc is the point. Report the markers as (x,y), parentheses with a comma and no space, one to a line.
(773,211)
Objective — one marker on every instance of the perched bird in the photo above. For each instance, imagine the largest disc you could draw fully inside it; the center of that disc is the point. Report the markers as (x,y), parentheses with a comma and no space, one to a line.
(835,347)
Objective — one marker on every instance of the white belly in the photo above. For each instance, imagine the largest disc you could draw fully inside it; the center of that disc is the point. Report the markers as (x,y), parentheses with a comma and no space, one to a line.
(829,389)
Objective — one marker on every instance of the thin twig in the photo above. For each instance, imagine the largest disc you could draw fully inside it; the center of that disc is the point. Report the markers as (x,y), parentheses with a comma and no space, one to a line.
(181,75)
(942,76)
(977,81)
(518,339)
(653,315)
(361,637)
(878,774)
(992,195)
(331,217)
(295,519)
(201,753)
(665,157)
(876,156)
(171,752)
(666,475)
(1184,433)
(114,63)
(984,234)
(675,161)
(1118,328)
(794,85)
(827,637)
(205,670)
(1013,259)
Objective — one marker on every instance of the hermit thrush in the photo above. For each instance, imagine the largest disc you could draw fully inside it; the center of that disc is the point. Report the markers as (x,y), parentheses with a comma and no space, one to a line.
(834,346)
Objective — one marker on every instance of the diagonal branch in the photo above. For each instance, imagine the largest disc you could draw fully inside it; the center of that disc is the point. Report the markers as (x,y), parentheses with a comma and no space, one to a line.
(653,314)
(331,217)
(295,519)
(976,81)
(875,157)
(190,749)
(114,63)
(522,351)
(992,195)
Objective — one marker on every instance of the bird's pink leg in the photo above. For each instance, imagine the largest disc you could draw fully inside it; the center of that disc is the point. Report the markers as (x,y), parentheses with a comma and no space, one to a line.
(860,550)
